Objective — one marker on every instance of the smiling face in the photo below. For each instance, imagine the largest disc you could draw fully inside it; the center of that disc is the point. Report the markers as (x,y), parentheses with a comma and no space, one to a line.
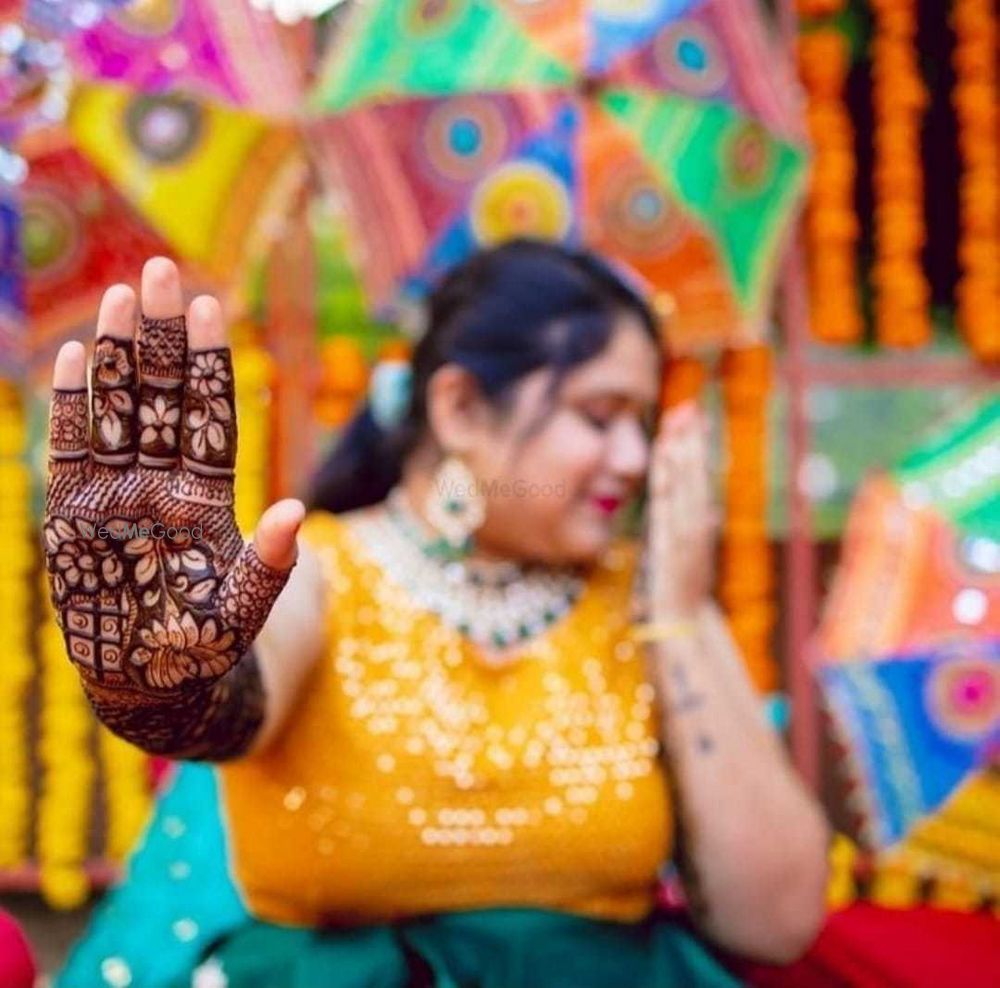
(557,476)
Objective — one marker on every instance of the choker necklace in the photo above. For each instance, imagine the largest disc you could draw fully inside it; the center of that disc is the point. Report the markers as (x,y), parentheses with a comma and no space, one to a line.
(497,603)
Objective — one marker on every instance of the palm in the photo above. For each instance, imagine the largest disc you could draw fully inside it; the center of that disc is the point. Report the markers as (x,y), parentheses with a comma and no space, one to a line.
(681,518)
(148,572)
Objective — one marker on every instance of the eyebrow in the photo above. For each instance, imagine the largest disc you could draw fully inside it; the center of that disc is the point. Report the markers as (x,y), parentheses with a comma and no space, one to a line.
(618,393)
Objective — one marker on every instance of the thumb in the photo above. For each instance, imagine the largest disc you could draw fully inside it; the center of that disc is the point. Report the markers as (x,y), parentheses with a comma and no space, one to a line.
(274,537)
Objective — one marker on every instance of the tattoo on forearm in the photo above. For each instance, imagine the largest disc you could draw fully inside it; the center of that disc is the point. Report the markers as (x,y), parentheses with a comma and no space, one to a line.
(155,590)
(687,701)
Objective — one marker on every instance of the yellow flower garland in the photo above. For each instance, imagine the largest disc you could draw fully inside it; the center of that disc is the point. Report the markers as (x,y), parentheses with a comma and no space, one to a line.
(831,223)
(66,731)
(975,100)
(901,290)
(15,610)
(253,369)
(126,791)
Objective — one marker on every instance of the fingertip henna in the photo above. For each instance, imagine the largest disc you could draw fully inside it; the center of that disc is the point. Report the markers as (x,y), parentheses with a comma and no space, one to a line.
(114,399)
(249,591)
(162,350)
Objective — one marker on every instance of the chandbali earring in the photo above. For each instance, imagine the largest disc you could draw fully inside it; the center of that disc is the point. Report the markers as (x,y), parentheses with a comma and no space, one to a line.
(454,507)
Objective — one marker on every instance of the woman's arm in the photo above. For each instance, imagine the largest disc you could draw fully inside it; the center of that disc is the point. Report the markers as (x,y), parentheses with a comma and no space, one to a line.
(752,843)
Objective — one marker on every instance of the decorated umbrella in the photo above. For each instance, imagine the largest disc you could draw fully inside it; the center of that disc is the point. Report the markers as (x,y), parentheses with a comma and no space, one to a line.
(659,132)
(178,107)
(910,643)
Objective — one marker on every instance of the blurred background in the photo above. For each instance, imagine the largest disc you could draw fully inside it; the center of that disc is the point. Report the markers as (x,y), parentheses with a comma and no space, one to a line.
(807,189)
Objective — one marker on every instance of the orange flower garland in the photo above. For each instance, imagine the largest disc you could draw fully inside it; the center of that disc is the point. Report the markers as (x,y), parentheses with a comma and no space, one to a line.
(746,578)
(819,8)
(901,290)
(831,222)
(975,100)
(684,379)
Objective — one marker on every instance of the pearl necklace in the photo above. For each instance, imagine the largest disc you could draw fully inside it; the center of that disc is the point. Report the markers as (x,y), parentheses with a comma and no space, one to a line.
(495,604)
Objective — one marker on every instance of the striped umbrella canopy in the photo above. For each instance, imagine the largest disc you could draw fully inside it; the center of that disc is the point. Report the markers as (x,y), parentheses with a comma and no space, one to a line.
(659,131)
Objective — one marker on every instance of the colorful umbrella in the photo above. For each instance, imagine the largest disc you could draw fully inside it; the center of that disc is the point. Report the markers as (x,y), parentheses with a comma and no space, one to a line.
(78,235)
(210,179)
(217,49)
(127,171)
(910,642)
(656,131)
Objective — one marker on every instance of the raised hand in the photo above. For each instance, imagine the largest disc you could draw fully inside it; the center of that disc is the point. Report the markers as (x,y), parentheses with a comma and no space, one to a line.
(154,587)
(681,519)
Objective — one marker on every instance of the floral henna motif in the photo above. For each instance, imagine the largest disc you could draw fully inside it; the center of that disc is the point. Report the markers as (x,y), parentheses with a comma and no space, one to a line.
(208,442)
(158,620)
(216,723)
(162,347)
(114,399)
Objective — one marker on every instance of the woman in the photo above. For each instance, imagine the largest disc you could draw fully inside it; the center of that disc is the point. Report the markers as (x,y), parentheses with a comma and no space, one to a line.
(448,748)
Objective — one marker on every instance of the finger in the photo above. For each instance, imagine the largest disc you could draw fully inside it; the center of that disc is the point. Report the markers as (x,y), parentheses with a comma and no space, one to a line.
(114,384)
(252,585)
(700,475)
(208,423)
(161,346)
(68,420)
(274,537)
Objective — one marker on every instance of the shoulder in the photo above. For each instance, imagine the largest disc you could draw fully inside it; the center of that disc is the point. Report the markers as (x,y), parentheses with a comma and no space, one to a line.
(332,538)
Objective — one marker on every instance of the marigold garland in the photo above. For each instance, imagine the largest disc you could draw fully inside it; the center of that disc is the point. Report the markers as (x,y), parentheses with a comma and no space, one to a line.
(66,731)
(899,98)
(15,610)
(819,8)
(975,101)
(343,379)
(126,791)
(253,369)
(746,584)
(684,380)
(831,223)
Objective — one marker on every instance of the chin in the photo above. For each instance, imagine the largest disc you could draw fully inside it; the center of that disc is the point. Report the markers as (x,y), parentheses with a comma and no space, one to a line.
(587,545)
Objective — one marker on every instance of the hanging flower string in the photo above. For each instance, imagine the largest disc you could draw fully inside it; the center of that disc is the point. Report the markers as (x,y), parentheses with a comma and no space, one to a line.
(975,101)
(66,729)
(126,791)
(831,222)
(746,584)
(902,317)
(684,380)
(15,615)
(253,370)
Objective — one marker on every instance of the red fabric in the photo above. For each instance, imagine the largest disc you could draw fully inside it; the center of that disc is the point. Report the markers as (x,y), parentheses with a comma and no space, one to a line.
(866,946)
(17,966)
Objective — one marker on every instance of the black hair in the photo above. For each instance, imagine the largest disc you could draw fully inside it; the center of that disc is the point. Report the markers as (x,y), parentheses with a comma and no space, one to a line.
(500,314)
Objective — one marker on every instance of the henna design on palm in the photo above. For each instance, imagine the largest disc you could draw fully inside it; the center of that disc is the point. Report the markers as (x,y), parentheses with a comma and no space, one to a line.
(162,612)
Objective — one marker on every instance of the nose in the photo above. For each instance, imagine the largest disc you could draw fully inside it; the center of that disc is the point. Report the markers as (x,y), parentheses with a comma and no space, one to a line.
(628,450)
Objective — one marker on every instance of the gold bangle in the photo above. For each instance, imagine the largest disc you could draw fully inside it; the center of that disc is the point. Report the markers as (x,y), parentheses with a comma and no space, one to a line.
(658,631)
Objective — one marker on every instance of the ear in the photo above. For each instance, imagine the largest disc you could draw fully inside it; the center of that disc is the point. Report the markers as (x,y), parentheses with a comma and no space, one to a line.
(457,411)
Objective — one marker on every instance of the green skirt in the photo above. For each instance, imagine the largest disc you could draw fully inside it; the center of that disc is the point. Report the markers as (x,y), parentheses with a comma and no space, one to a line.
(492,948)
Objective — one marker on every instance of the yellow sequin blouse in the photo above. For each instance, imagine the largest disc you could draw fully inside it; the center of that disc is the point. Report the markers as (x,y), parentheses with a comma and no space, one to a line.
(416,778)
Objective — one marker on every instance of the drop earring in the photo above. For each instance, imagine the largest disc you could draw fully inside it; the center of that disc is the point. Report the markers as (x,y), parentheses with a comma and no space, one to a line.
(454,507)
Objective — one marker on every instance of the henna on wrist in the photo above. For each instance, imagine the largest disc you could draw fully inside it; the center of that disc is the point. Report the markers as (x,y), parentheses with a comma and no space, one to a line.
(216,722)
